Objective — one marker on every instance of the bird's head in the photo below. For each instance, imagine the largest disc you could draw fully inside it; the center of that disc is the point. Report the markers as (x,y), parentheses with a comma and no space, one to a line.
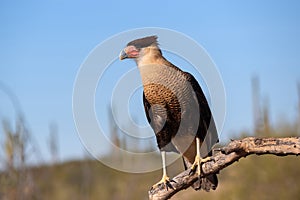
(139,48)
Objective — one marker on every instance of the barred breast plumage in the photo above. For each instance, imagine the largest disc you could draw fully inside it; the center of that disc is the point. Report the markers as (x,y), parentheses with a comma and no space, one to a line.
(175,106)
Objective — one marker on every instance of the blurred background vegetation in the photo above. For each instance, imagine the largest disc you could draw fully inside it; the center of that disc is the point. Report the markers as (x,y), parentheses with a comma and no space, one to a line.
(43,44)
(255,177)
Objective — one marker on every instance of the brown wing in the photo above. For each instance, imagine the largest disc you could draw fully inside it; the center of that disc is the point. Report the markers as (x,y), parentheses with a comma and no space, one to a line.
(207,131)
(161,125)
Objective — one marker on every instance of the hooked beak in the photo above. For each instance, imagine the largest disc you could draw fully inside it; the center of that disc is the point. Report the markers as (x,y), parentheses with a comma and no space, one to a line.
(123,55)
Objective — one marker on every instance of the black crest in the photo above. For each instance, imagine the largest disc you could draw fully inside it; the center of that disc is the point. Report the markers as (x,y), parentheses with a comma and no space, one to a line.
(144,42)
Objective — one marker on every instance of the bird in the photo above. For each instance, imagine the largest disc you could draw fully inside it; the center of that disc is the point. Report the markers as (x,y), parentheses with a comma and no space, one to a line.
(176,109)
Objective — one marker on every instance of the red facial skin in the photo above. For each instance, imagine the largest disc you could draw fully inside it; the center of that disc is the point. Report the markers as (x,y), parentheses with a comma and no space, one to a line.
(129,52)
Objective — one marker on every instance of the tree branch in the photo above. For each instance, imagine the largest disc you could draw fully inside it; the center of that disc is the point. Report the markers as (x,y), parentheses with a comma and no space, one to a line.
(235,150)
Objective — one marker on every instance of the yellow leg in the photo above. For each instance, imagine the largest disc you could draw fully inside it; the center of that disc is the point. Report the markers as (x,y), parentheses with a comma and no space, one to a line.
(165,180)
(198,160)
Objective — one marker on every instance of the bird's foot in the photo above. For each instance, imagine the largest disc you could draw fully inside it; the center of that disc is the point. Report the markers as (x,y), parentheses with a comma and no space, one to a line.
(197,164)
(164,183)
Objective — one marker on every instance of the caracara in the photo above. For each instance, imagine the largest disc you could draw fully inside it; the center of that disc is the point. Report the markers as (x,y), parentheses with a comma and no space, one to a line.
(176,109)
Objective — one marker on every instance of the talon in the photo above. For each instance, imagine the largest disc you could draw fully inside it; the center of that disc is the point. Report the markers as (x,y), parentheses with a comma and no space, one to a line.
(193,169)
(207,159)
(211,181)
(197,164)
(165,182)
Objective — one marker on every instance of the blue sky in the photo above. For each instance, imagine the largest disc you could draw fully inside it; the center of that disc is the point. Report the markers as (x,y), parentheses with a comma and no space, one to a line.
(42,45)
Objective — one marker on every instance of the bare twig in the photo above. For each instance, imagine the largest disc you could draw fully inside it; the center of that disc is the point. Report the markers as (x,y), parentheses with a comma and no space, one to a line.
(229,154)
